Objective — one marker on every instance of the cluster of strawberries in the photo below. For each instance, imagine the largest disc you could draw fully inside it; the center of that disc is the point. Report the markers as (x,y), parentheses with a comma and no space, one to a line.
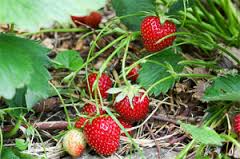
(96,127)
(102,132)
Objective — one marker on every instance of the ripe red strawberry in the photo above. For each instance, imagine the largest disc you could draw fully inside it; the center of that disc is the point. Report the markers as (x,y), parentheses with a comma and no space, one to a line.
(126,125)
(74,142)
(129,103)
(104,83)
(133,74)
(139,110)
(103,135)
(80,122)
(90,110)
(152,31)
(237,123)
(92,20)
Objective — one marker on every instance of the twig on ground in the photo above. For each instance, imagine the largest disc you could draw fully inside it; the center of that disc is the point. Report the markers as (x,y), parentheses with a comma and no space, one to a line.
(173,119)
(156,142)
(50,125)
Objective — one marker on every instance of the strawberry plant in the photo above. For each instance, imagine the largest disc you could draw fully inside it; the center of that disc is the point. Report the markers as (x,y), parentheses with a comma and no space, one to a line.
(127,74)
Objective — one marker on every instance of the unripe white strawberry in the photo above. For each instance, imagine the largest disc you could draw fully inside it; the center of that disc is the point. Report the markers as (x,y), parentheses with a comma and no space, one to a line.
(74,142)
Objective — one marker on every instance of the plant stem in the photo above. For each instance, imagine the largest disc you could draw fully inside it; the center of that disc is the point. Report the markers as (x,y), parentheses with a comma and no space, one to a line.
(124,62)
(60,30)
(124,130)
(104,66)
(121,45)
(174,76)
(107,47)
(14,130)
(214,116)
(11,28)
(142,60)
(201,63)
(195,75)
(229,10)
(206,26)
(211,19)
(1,141)
(91,51)
(64,106)
(229,138)
(236,59)
(73,75)
(219,18)
(200,150)
(183,153)
(196,13)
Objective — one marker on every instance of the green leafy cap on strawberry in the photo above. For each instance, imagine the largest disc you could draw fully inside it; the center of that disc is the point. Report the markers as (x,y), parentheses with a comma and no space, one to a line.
(126,91)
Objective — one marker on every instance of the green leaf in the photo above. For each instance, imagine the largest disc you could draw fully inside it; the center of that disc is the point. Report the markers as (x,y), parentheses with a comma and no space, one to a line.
(153,70)
(69,59)
(8,153)
(126,7)
(224,89)
(21,144)
(204,135)
(23,64)
(202,157)
(179,6)
(114,90)
(31,15)
(13,153)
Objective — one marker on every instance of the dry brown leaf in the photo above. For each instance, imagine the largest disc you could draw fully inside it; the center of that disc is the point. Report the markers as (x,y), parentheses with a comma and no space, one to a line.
(48,43)
(199,89)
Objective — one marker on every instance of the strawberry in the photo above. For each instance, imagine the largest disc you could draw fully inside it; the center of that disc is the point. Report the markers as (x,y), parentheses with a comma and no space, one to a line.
(90,110)
(126,125)
(133,74)
(92,20)
(80,122)
(103,135)
(152,31)
(74,142)
(237,123)
(129,103)
(139,110)
(104,83)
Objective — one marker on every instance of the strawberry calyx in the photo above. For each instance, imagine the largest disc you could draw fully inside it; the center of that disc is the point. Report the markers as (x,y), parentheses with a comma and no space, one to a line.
(164,18)
(129,91)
